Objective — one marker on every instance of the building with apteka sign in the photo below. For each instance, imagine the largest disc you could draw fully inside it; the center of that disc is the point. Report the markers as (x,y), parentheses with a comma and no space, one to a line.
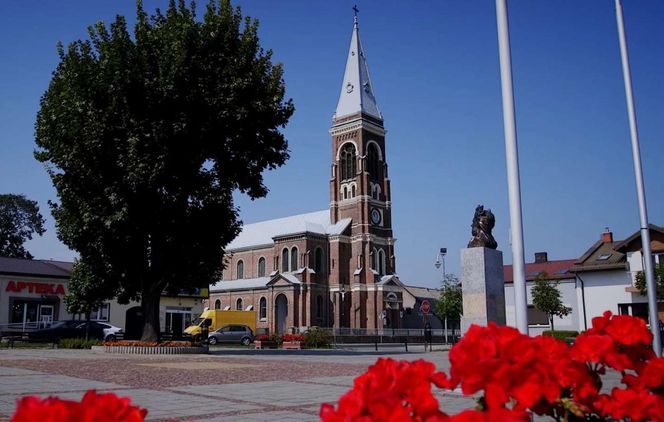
(32,296)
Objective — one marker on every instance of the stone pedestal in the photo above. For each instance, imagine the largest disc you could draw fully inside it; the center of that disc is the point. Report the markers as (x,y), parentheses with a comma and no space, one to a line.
(482,287)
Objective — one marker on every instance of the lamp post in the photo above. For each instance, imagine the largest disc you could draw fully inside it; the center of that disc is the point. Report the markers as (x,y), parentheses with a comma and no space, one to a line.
(343,294)
(440,258)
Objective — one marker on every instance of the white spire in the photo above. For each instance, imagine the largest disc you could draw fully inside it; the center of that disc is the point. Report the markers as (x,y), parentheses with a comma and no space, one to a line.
(356,89)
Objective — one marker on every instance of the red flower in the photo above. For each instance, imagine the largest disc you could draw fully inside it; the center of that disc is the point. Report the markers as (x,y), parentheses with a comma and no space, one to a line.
(93,408)
(519,375)
(293,337)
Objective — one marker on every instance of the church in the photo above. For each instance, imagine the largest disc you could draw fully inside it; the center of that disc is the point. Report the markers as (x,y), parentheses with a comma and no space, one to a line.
(335,267)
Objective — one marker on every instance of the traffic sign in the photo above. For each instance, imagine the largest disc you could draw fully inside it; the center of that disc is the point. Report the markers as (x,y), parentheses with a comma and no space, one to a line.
(425,307)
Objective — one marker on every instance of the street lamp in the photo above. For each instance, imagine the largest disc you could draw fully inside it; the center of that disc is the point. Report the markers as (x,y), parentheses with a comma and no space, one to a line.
(440,258)
(343,294)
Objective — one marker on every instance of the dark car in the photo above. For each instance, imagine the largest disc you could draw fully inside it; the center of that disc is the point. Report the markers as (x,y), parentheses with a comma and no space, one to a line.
(232,334)
(70,329)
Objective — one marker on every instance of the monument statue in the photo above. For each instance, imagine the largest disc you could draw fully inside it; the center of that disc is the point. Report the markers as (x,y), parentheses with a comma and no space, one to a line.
(483,223)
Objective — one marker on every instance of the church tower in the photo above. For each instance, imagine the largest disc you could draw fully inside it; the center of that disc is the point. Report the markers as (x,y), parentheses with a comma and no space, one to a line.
(360,191)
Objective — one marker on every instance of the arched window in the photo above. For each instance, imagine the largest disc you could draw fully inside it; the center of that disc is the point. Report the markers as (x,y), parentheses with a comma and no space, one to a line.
(238,304)
(381,262)
(373,161)
(284,260)
(374,260)
(262,309)
(294,259)
(261,267)
(319,306)
(240,269)
(347,161)
(352,191)
(318,260)
(217,304)
(345,196)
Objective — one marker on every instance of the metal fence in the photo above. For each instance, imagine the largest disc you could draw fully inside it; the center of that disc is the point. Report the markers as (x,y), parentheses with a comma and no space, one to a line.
(397,335)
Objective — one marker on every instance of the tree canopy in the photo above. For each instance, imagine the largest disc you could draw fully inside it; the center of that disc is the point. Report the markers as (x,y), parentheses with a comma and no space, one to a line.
(146,137)
(640,282)
(19,219)
(450,302)
(547,298)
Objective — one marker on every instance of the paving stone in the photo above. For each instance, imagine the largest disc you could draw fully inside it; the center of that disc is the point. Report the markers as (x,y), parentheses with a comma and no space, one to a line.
(16,371)
(277,416)
(273,393)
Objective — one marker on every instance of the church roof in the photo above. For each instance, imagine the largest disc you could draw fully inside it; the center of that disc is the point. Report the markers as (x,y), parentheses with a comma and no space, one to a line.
(242,284)
(356,89)
(263,233)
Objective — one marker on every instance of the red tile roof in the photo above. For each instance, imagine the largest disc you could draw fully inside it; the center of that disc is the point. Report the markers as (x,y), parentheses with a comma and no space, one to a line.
(557,270)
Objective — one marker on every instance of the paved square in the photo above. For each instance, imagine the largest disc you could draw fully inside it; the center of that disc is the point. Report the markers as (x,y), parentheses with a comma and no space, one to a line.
(273,393)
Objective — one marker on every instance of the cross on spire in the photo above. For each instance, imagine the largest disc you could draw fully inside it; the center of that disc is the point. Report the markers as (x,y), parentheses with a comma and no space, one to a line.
(356,11)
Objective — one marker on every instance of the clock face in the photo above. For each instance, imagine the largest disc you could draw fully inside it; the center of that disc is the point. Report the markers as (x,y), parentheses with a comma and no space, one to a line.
(375,216)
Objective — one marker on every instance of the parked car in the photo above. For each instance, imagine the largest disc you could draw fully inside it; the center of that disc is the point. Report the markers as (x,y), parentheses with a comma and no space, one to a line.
(232,334)
(76,329)
(111,332)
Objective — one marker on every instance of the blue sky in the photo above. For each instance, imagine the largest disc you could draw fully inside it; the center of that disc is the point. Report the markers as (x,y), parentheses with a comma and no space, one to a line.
(434,67)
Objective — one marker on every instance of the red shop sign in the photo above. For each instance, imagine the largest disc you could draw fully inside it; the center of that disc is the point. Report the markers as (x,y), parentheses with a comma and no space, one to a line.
(34,287)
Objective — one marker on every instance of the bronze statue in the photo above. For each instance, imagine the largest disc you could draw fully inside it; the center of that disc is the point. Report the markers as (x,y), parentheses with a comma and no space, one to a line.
(483,223)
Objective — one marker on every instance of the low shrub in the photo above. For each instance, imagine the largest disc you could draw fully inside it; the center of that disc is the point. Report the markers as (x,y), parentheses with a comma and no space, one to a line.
(560,334)
(317,338)
(77,343)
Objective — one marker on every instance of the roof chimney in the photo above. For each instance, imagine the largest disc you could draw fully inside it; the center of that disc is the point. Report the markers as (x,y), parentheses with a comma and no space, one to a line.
(541,257)
(607,236)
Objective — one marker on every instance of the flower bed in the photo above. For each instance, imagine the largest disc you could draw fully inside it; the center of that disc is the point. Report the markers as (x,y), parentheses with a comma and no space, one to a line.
(518,376)
(292,341)
(265,341)
(139,343)
(151,347)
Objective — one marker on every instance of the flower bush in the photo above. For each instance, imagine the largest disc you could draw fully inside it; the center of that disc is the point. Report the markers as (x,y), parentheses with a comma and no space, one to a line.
(516,376)
(93,407)
(293,337)
(271,337)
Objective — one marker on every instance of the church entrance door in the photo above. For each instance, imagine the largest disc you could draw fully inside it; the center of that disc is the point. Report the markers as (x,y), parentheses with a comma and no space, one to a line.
(281,311)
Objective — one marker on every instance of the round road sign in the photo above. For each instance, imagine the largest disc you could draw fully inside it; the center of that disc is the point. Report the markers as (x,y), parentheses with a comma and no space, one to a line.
(425,307)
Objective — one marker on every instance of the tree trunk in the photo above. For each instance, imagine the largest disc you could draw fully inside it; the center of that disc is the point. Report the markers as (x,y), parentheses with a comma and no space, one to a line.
(87,326)
(551,319)
(150,303)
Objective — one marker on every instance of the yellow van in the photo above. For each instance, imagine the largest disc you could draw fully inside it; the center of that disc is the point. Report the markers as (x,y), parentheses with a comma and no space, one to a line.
(215,319)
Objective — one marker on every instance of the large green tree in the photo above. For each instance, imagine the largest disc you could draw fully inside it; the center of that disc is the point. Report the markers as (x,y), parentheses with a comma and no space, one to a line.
(547,298)
(146,137)
(19,219)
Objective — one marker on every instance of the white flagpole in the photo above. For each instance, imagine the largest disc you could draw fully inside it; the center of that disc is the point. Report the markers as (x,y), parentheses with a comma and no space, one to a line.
(640,191)
(511,151)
